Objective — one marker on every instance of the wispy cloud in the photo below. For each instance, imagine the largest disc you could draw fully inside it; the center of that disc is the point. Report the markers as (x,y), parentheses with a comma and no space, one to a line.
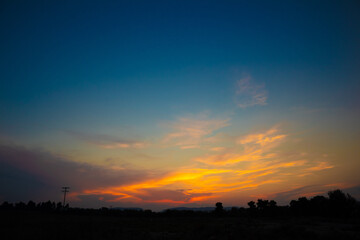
(106,141)
(217,149)
(270,136)
(319,166)
(191,132)
(254,147)
(249,94)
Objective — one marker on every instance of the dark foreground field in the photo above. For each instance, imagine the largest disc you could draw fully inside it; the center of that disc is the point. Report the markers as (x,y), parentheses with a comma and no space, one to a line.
(37,225)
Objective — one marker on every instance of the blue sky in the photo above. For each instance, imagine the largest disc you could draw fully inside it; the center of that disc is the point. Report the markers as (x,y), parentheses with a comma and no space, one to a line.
(77,75)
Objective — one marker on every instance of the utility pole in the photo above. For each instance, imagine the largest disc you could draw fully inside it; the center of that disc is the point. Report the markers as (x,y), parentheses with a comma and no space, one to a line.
(65,190)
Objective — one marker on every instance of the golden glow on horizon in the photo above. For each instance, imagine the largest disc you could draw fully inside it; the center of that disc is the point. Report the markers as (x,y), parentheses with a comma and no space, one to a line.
(253,162)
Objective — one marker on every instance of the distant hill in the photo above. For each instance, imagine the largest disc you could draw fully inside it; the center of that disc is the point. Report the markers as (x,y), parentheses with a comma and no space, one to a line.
(122,209)
(200,209)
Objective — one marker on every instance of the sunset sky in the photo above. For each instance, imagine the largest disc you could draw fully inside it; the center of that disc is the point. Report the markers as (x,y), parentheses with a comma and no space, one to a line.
(159,104)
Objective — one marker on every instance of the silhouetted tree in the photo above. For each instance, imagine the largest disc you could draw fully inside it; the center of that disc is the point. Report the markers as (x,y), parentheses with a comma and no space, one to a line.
(300,206)
(6,206)
(46,206)
(252,205)
(266,207)
(219,207)
(337,196)
(252,211)
(272,204)
(340,203)
(219,210)
(59,206)
(262,204)
(31,205)
(20,206)
(319,206)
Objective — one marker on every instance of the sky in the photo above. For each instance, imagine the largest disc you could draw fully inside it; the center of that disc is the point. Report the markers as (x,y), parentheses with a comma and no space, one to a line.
(160,104)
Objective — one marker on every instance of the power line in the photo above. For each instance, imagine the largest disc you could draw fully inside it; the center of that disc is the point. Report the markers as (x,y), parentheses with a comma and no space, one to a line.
(65,190)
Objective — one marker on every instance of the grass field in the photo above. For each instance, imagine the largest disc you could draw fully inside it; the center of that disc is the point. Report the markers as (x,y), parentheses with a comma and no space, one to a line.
(37,225)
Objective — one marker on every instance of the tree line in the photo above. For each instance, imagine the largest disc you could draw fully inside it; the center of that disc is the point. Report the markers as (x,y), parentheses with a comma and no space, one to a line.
(336,204)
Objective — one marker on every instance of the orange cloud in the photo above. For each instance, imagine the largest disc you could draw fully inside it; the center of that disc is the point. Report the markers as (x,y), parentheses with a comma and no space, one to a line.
(202,184)
(320,166)
(255,147)
(262,138)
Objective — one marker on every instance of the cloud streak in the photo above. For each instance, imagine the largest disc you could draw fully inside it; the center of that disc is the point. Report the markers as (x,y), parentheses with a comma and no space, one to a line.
(106,141)
(46,173)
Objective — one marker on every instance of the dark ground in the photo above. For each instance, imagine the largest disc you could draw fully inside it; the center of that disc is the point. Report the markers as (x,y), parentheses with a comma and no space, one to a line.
(39,225)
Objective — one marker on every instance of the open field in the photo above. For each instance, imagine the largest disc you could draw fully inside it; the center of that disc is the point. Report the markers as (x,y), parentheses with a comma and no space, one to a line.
(36,225)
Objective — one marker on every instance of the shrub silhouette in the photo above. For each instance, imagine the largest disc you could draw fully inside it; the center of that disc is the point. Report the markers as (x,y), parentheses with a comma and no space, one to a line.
(31,205)
(338,204)
(219,207)
(341,204)
(252,205)
(6,206)
(20,206)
